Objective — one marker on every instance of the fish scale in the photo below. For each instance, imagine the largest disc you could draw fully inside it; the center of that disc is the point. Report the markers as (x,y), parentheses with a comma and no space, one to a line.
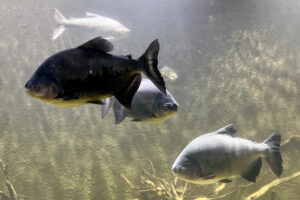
(220,156)
(65,79)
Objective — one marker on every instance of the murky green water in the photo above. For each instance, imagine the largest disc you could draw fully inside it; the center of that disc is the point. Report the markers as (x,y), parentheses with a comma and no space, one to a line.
(237,62)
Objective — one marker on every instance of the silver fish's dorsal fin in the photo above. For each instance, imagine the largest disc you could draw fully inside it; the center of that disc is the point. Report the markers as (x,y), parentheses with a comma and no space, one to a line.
(229,130)
(89,14)
(98,44)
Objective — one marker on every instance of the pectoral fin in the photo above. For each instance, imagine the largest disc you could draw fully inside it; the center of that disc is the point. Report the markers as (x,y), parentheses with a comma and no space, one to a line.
(125,95)
(253,170)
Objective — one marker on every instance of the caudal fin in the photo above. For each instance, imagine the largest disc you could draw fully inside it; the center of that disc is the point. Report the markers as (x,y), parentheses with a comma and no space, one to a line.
(60,19)
(149,62)
(273,155)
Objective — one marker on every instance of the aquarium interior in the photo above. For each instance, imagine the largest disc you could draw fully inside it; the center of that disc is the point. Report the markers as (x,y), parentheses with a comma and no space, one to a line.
(235,61)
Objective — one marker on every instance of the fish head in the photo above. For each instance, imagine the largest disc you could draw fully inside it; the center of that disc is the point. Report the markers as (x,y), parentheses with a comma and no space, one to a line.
(123,30)
(165,105)
(186,169)
(42,86)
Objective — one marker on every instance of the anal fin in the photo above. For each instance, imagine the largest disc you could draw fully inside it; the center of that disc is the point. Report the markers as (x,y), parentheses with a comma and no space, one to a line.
(119,112)
(105,107)
(253,170)
(125,95)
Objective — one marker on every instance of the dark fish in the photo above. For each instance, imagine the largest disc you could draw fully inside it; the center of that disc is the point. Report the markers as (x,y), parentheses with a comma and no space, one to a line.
(148,104)
(220,156)
(88,74)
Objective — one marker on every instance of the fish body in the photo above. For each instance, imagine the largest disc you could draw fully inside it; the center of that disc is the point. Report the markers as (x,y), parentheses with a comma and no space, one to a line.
(91,23)
(88,74)
(148,105)
(220,156)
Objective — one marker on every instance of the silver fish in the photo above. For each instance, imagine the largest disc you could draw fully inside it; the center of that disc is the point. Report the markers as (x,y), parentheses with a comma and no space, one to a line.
(220,156)
(148,105)
(92,23)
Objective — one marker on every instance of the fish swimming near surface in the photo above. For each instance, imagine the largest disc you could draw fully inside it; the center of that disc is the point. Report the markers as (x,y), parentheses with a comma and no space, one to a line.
(220,156)
(88,74)
(148,105)
(91,23)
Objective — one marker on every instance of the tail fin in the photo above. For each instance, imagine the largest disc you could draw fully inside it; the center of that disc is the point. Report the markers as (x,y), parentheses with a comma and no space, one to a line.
(273,155)
(60,19)
(149,61)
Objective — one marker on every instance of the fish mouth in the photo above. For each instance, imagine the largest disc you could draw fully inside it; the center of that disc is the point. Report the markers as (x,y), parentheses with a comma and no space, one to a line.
(29,92)
(171,107)
(178,170)
(40,97)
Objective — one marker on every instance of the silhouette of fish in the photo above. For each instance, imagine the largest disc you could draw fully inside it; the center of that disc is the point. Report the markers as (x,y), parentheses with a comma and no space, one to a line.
(92,23)
(148,105)
(220,156)
(88,74)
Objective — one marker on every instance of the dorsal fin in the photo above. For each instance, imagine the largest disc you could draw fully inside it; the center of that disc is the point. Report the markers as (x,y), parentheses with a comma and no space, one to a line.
(229,130)
(129,56)
(98,44)
(89,14)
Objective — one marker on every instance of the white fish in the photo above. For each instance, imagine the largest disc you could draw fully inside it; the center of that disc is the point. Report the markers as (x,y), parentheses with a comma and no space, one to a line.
(148,105)
(220,156)
(92,22)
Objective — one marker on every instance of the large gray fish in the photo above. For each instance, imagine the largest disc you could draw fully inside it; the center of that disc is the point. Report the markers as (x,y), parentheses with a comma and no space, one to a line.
(220,156)
(88,74)
(148,104)
(94,23)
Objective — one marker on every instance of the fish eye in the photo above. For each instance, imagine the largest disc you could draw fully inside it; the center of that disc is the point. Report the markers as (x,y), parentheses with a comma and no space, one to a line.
(35,87)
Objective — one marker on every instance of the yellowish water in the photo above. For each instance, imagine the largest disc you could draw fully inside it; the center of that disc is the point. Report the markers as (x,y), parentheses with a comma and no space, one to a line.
(237,62)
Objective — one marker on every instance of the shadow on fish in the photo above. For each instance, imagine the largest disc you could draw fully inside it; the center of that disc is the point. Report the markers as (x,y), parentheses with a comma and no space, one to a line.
(88,74)
(92,23)
(148,105)
(220,156)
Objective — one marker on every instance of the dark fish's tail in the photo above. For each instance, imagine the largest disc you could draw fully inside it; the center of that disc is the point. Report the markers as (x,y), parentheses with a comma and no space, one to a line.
(149,62)
(273,156)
